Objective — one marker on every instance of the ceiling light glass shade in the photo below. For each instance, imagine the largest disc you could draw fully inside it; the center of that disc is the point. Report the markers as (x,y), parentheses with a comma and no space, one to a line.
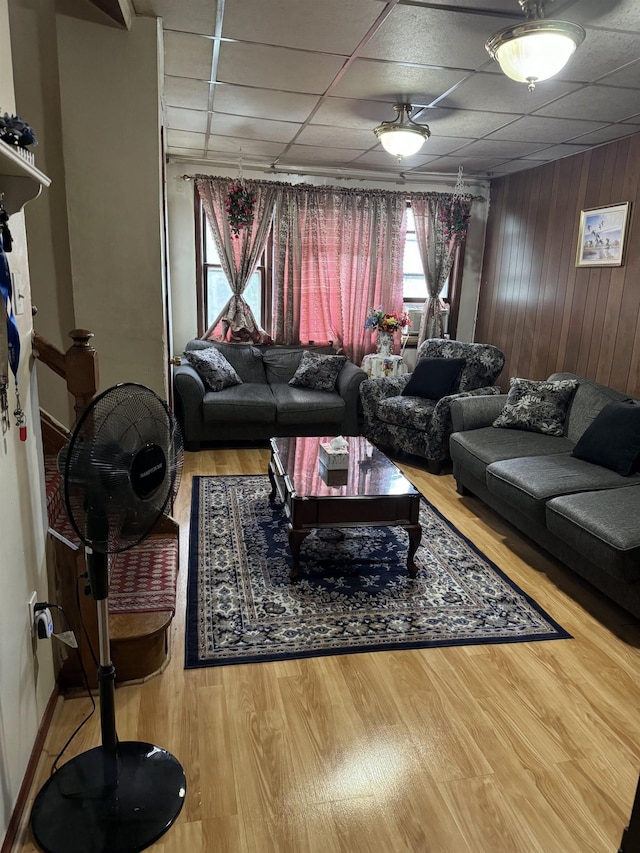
(535,50)
(402,137)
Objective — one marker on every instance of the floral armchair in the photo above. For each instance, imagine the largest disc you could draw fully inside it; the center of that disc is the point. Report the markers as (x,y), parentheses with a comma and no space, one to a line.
(417,425)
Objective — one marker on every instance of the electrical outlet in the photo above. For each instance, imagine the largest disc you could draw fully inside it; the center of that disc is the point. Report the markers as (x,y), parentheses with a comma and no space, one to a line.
(33,598)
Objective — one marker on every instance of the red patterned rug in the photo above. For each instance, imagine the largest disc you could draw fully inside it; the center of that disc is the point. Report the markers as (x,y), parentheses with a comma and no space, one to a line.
(141,579)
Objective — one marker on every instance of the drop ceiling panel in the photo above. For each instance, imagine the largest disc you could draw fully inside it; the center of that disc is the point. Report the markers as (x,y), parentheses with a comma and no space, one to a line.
(540,129)
(555,152)
(253,128)
(181,119)
(471,124)
(434,37)
(185,92)
(605,103)
(450,165)
(346,137)
(393,82)
(606,134)
(311,154)
(346,112)
(332,26)
(185,139)
(499,149)
(277,67)
(600,53)
(382,159)
(622,15)
(627,76)
(263,103)
(499,93)
(187,55)
(244,147)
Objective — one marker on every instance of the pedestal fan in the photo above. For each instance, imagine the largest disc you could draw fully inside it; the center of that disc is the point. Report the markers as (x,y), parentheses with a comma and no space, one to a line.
(121,471)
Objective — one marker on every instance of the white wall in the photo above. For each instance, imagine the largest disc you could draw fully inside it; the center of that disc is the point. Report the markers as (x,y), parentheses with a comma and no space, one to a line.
(26,668)
(182,262)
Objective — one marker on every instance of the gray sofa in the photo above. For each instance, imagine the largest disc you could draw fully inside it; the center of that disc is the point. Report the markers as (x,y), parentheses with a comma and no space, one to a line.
(584,514)
(264,404)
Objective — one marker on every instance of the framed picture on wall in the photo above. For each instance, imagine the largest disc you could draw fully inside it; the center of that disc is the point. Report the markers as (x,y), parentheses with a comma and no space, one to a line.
(601,236)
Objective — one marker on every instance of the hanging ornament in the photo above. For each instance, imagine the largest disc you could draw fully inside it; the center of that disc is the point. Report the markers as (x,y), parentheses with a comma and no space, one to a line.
(239,203)
(456,215)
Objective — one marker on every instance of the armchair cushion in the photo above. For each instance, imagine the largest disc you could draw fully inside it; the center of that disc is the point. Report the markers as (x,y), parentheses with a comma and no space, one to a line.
(213,368)
(434,378)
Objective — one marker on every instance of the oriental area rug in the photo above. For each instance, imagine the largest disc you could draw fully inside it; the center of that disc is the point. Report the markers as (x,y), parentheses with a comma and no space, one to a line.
(354,593)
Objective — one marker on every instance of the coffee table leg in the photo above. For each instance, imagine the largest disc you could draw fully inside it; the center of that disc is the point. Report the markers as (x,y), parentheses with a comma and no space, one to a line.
(296,538)
(272,480)
(415,535)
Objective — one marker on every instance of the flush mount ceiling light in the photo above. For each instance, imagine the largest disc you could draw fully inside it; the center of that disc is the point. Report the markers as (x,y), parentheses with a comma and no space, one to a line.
(537,48)
(402,137)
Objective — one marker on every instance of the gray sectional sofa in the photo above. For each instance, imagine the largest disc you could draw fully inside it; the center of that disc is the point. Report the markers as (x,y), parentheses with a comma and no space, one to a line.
(263,404)
(584,514)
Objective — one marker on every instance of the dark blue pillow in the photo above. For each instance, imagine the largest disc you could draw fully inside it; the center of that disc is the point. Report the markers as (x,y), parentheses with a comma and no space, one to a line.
(612,439)
(434,378)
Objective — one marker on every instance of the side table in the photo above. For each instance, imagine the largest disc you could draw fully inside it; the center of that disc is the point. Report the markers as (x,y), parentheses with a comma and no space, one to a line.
(376,365)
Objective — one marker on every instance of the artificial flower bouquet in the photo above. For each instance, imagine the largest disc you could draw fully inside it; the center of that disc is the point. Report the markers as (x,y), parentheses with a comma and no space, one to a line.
(239,205)
(379,321)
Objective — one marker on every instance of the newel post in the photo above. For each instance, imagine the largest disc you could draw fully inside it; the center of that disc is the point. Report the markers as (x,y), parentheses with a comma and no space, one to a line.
(81,362)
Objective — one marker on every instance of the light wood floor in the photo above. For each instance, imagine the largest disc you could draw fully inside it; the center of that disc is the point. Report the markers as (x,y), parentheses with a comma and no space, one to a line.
(483,749)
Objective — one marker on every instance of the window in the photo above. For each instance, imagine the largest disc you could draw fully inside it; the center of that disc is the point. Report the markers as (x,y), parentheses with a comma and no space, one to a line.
(213,288)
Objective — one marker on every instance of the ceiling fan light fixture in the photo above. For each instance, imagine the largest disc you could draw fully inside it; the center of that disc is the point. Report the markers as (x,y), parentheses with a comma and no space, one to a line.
(402,137)
(535,49)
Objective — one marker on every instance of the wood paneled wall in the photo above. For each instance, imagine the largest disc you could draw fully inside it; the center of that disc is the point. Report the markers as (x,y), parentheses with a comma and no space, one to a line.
(545,313)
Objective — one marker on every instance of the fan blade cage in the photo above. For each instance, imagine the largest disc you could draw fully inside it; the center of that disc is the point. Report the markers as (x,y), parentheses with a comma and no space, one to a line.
(122,467)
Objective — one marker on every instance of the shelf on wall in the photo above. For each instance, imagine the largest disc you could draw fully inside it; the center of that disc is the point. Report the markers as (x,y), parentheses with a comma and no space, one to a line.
(20,180)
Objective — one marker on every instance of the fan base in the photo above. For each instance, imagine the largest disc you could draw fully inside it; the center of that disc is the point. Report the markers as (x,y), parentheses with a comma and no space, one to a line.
(75,811)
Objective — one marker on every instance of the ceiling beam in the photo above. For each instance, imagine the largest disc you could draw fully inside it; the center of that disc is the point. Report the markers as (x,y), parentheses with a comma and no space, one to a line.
(120,11)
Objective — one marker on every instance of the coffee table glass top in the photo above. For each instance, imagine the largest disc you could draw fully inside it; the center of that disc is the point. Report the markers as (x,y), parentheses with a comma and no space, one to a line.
(370,473)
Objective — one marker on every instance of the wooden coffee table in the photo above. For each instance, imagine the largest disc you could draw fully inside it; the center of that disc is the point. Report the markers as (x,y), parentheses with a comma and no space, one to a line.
(372,492)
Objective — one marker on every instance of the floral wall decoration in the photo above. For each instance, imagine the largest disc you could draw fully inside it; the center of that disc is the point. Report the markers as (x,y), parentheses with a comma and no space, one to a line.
(239,205)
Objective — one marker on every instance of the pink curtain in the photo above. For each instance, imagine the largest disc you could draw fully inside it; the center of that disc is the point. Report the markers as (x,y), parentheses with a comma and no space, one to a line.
(437,245)
(339,253)
(239,256)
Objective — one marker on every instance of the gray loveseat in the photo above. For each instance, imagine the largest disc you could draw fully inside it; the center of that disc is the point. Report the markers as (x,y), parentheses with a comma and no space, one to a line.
(584,514)
(264,404)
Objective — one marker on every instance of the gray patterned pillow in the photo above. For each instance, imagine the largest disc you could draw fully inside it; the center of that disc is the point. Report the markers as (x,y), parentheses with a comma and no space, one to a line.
(317,371)
(213,368)
(537,406)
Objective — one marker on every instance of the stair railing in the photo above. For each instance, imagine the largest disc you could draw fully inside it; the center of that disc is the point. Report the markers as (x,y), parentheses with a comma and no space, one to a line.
(78,366)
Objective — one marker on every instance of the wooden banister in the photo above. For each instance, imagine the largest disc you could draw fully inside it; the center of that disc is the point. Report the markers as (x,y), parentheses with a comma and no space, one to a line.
(78,366)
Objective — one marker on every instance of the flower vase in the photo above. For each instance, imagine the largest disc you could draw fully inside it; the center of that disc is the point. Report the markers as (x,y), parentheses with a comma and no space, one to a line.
(384,344)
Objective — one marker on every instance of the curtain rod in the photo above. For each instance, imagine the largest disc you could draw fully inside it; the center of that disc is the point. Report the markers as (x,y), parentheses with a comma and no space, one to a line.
(339,189)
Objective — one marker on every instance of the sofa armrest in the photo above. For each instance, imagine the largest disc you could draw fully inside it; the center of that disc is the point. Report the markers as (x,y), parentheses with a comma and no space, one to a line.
(348,385)
(189,393)
(477,411)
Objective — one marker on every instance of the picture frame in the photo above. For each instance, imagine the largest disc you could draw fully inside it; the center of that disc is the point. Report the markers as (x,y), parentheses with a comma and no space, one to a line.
(602,235)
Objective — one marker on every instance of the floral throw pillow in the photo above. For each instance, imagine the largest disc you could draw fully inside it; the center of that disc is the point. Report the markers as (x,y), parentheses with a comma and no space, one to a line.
(317,371)
(537,406)
(213,368)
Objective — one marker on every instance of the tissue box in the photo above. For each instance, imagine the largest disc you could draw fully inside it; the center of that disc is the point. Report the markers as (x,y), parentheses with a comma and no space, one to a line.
(333,477)
(333,459)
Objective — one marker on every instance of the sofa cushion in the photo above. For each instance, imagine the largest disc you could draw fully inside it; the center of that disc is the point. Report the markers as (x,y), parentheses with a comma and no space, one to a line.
(306,406)
(527,484)
(602,526)
(537,406)
(613,438)
(476,448)
(213,368)
(317,371)
(245,359)
(251,402)
(434,378)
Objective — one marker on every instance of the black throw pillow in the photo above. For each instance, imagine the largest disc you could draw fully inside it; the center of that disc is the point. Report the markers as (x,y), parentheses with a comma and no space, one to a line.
(612,439)
(434,378)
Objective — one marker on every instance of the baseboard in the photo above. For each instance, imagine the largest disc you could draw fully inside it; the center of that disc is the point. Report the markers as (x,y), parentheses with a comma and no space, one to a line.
(30,773)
